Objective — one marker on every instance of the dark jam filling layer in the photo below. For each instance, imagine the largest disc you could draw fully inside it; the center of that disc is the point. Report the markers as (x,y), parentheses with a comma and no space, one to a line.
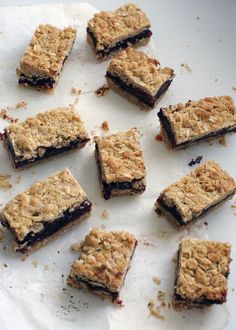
(37,81)
(139,93)
(108,187)
(167,127)
(48,152)
(52,227)
(120,44)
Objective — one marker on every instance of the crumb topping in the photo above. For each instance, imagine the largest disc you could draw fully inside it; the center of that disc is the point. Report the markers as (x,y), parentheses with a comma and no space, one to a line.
(111,27)
(54,128)
(203,270)
(102,91)
(155,311)
(44,201)
(75,247)
(105,258)
(203,187)
(138,69)
(4,181)
(197,118)
(105,126)
(47,51)
(121,156)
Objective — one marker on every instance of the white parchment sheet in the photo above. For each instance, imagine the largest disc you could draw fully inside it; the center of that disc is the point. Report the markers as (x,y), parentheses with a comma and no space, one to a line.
(33,297)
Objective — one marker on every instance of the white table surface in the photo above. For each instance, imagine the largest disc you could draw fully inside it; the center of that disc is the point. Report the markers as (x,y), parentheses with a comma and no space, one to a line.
(212,39)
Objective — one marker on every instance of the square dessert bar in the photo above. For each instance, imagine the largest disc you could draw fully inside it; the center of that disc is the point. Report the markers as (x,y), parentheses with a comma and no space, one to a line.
(103,263)
(184,124)
(108,32)
(47,134)
(44,58)
(202,271)
(120,164)
(45,211)
(197,193)
(137,77)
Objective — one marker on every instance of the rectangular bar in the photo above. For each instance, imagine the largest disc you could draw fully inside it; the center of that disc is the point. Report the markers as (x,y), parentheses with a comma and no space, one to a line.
(208,118)
(44,58)
(47,134)
(202,272)
(108,32)
(120,164)
(197,193)
(103,263)
(45,211)
(138,78)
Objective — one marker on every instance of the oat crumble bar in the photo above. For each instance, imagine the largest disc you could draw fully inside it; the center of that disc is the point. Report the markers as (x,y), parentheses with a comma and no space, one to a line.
(103,263)
(184,124)
(138,77)
(202,272)
(44,58)
(197,193)
(45,211)
(47,134)
(108,32)
(120,164)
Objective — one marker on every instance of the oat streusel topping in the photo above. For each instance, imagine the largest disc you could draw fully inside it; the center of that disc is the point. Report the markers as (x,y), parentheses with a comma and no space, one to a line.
(140,70)
(203,270)
(51,129)
(111,27)
(203,187)
(121,157)
(44,201)
(105,258)
(196,118)
(47,50)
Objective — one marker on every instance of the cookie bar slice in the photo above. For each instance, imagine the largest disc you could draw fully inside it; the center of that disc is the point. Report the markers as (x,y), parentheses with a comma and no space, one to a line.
(47,134)
(184,124)
(137,77)
(103,263)
(45,211)
(108,32)
(202,272)
(120,164)
(197,193)
(44,58)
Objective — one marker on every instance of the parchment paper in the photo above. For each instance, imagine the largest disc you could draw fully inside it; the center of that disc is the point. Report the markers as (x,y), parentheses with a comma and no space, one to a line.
(38,297)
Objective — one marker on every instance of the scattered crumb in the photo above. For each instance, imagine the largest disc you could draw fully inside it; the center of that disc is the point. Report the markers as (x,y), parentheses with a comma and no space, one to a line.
(195,161)
(105,126)
(198,18)
(216,79)
(187,67)
(1,234)
(163,234)
(155,311)
(23,258)
(105,214)
(35,263)
(75,247)
(159,137)
(233,206)
(101,91)
(75,91)
(156,280)
(18,179)
(4,181)
(233,289)
(205,223)
(219,39)
(5,116)
(58,252)
(21,104)
(5,265)
(234,88)
(161,295)
(188,46)
(46,268)
(222,141)
(76,101)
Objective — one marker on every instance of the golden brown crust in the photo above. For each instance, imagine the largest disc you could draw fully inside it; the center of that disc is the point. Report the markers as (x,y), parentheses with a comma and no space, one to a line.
(197,118)
(121,157)
(111,27)
(207,185)
(47,50)
(105,258)
(202,271)
(44,201)
(55,128)
(140,70)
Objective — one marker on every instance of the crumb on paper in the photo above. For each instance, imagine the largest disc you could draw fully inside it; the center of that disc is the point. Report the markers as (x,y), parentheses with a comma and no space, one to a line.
(46,268)
(159,137)
(18,179)
(76,101)
(233,289)
(155,311)
(161,295)
(187,67)
(35,263)
(105,126)
(234,88)
(75,247)
(233,206)
(198,18)
(75,91)
(5,265)
(105,214)
(156,280)
(5,116)
(23,258)
(21,104)
(102,91)
(216,79)
(195,161)
(163,234)
(1,234)
(4,181)
(222,141)
(206,223)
